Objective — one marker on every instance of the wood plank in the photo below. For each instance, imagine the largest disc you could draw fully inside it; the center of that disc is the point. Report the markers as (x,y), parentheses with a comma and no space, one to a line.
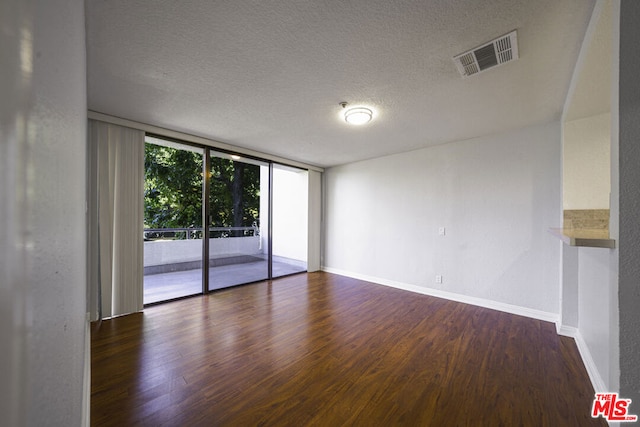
(321,349)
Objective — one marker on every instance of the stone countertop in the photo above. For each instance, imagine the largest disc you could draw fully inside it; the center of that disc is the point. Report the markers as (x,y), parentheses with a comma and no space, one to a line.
(586,237)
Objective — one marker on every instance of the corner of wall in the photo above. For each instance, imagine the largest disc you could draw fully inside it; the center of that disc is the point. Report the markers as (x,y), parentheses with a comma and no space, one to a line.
(589,364)
(566,331)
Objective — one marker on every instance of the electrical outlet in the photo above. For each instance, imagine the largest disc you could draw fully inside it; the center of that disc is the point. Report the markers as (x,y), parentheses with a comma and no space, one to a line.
(441,231)
(438,278)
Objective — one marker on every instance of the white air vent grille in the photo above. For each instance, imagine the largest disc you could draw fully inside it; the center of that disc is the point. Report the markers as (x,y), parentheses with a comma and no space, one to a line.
(496,52)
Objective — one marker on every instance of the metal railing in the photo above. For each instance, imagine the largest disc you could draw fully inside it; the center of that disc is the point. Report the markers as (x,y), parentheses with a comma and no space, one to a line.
(196,233)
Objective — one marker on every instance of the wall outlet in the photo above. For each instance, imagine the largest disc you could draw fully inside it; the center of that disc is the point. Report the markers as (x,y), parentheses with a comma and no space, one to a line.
(441,231)
(438,278)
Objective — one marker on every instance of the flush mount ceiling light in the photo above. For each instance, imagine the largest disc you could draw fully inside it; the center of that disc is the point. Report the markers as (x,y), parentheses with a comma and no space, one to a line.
(357,115)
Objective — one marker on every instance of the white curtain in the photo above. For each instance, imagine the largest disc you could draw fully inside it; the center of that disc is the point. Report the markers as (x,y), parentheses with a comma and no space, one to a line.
(116,219)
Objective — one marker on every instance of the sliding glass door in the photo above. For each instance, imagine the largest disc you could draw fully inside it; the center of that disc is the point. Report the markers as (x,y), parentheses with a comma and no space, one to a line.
(214,220)
(172,220)
(238,196)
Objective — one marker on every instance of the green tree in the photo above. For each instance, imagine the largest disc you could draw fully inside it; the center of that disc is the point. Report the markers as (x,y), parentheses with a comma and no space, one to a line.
(173,190)
(235,193)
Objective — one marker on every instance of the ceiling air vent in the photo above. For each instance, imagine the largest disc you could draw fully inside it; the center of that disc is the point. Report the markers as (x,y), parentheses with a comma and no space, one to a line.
(496,52)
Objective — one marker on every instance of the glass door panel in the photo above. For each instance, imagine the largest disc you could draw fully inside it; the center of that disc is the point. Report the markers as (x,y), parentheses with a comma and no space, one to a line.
(172,220)
(290,208)
(238,203)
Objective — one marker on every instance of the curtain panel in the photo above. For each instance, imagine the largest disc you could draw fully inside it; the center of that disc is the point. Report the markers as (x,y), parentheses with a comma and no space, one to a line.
(116,208)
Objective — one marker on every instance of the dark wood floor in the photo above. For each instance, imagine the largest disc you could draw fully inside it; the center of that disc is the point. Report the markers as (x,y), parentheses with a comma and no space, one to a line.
(325,350)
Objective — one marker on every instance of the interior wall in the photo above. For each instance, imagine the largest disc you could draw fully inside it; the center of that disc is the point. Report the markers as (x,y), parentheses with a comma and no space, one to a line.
(614,218)
(586,167)
(495,196)
(42,188)
(589,282)
(594,316)
(629,217)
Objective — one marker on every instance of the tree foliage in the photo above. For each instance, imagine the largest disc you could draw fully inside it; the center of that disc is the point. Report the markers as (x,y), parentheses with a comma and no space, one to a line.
(173,190)
(235,193)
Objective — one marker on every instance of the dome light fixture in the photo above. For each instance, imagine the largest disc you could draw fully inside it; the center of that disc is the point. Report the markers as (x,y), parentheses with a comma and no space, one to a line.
(357,115)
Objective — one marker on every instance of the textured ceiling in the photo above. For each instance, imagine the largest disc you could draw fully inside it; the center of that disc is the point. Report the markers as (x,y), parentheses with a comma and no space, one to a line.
(592,93)
(269,75)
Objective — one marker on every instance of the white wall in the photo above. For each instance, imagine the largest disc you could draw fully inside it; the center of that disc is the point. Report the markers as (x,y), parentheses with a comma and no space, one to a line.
(163,252)
(614,218)
(589,286)
(587,165)
(496,196)
(42,214)
(594,314)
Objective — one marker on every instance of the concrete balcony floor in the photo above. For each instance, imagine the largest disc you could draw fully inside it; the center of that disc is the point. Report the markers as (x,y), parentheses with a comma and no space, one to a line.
(165,286)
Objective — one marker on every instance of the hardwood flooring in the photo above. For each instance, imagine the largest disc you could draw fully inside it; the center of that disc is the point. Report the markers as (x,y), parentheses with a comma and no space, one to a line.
(325,350)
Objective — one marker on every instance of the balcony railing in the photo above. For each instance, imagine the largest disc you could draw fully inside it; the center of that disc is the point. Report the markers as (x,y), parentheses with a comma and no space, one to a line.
(151,234)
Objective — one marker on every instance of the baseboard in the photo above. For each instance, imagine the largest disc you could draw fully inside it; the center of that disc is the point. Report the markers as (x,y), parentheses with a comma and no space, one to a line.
(589,364)
(480,302)
(566,331)
(569,331)
(585,355)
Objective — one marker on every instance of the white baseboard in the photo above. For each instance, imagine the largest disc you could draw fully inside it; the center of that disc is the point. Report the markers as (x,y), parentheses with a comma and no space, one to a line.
(569,331)
(587,360)
(480,302)
(590,365)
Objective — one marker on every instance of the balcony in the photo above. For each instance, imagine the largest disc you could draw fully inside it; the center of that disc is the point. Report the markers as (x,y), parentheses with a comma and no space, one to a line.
(237,255)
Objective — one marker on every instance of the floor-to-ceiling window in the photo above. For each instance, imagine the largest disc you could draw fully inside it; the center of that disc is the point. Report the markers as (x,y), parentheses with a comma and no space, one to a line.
(236,251)
(248,206)
(172,220)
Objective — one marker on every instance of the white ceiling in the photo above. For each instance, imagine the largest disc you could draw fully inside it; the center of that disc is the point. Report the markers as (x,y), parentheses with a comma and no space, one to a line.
(592,92)
(269,75)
